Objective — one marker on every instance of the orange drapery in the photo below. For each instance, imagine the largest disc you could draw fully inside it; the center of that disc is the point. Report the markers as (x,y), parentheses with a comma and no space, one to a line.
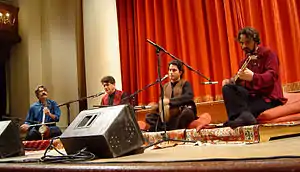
(202,34)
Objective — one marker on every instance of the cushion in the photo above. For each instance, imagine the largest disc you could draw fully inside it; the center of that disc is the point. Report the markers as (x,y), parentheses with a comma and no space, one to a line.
(280,111)
(288,118)
(203,120)
(143,125)
(292,97)
(41,144)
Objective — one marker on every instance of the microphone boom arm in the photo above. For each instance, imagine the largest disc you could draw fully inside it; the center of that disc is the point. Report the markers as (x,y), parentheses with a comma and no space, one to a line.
(144,88)
(73,101)
(81,99)
(175,58)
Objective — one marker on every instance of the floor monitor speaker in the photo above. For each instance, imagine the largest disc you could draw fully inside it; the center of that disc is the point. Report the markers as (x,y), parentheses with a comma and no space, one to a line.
(107,132)
(10,141)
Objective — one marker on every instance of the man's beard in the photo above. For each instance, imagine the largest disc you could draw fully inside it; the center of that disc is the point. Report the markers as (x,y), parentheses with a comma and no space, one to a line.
(251,52)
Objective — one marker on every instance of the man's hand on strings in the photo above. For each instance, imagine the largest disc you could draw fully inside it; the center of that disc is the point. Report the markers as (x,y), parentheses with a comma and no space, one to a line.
(246,75)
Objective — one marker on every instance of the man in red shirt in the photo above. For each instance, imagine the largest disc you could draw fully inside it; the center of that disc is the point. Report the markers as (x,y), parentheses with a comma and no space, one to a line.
(255,88)
(112,96)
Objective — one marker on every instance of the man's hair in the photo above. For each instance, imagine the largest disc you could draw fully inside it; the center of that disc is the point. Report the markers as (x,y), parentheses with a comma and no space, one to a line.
(250,33)
(36,91)
(178,64)
(108,79)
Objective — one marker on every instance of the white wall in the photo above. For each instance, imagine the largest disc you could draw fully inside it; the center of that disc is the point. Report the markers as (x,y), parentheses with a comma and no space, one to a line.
(49,49)
(101,44)
(46,55)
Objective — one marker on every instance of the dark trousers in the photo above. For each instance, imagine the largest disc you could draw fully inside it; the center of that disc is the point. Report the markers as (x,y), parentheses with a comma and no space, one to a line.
(34,134)
(179,121)
(242,108)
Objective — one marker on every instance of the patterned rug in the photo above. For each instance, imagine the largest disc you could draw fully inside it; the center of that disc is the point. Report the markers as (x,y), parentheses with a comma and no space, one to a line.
(225,135)
(240,135)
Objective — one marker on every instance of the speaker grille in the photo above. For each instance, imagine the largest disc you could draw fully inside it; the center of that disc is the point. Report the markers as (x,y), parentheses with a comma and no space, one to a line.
(124,133)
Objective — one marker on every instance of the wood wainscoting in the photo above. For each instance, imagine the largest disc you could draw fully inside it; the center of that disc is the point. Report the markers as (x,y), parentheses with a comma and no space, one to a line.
(216,109)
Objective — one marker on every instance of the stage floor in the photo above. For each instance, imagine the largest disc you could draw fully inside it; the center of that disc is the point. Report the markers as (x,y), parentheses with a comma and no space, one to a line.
(282,154)
(288,147)
(259,165)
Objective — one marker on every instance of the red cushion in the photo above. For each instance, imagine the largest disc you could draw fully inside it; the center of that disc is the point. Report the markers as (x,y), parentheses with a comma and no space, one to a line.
(280,111)
(143,125)
(41,144)
(288,118)
(203,120)
(292,97)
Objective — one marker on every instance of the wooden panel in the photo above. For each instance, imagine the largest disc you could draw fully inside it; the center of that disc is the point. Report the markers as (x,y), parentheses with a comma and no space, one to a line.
(268,132)
(281,164)
(141,114)
(216,109)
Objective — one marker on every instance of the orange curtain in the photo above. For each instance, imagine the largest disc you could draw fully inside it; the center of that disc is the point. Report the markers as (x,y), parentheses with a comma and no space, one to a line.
(202,34)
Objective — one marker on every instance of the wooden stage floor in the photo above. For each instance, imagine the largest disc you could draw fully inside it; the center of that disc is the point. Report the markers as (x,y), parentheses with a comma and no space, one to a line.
(269,165)
(277,155)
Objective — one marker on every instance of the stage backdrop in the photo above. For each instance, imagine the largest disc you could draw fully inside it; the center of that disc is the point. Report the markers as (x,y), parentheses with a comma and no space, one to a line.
(202,34)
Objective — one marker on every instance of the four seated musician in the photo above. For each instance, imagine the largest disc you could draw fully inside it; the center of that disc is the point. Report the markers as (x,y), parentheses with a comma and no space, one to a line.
(178,99)
(112,96)
(36,113)
(257,86)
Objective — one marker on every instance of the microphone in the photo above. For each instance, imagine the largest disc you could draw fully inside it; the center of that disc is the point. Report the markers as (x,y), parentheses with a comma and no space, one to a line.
(163,78)
(210,82)
(99,94)
(142,107)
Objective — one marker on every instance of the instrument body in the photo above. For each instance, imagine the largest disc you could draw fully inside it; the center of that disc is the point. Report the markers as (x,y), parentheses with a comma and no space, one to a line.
(171,111)
(168,112)
(44,130)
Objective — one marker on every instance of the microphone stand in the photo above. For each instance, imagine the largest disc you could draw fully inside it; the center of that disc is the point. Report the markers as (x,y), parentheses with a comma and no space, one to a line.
(67,104)
(165,138)
(175,58)
(140,90)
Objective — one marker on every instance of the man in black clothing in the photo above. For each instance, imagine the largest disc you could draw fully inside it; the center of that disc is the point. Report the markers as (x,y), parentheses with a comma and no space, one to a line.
(178,100)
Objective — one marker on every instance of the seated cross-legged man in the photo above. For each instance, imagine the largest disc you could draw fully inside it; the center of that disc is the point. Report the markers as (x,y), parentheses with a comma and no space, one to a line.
(257,86)
(180,109)
(45,109)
